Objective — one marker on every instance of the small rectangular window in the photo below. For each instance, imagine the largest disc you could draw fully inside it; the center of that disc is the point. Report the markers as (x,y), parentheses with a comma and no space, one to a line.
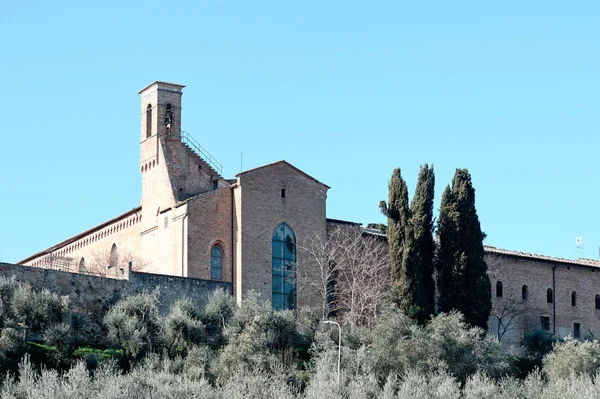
(576,330)
(499,289)
(215,184)
(166,221)
(283,193)
(545,323)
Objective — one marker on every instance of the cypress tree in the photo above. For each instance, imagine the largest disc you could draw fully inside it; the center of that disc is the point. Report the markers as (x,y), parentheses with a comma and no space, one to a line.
(463,282)
(447,249)
(397,212)
(417,261)
(411,244)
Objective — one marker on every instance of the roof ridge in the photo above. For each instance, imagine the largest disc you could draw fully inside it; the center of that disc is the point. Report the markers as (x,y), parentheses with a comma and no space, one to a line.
(579,261)
(284,162)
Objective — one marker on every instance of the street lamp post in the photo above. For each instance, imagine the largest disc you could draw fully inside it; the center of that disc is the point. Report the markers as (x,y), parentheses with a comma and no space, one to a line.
(339,345)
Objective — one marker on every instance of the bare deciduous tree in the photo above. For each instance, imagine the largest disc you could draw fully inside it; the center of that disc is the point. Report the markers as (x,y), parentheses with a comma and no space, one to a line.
(105,263)
(512,307)
(507,312)
(350,271)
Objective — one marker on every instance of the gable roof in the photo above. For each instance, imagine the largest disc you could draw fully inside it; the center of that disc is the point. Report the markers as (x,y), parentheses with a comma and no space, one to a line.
(283,162)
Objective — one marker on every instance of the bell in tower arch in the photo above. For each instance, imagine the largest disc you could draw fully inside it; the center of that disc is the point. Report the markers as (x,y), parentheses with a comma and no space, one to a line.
(168,117)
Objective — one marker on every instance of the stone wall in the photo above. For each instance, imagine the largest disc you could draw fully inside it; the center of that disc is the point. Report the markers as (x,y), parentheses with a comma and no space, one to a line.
(94,295)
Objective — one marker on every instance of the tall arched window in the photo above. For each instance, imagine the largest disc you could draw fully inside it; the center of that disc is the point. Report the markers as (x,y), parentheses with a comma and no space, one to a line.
(499,289)
(284,267)
(114,257)
(549,296)
(524,292)
(149,120)
(216,263)
(598,302)
(573,298)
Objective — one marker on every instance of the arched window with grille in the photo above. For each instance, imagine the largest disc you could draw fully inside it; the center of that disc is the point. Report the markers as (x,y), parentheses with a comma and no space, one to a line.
(524,292)
(499,289)
(283,267)
(216,263)
(549,296)
(149,120)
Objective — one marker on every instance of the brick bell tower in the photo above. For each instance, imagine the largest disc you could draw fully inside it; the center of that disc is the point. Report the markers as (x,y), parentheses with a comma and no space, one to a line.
(160,144)
(172,170)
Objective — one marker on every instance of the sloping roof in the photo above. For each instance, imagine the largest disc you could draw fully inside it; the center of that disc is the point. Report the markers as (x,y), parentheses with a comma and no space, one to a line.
(285,163)
(80,235)
(493,250)
(374,232)
(339,221)
(201,195)
(581,261)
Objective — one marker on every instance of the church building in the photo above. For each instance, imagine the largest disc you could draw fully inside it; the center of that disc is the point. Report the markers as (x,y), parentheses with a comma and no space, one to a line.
(194,222)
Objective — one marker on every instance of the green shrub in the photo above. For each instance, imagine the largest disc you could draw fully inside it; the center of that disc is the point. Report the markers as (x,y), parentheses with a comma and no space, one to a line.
(537,344)
(216,314)
(182,328)
(572,358)
(134,325)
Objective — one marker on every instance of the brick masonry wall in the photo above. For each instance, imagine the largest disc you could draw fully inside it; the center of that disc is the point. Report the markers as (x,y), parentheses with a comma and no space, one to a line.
(262,209)
(209,224)
(514,272)
(159,154)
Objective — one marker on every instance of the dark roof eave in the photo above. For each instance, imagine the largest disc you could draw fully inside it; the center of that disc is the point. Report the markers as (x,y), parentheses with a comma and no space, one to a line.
(541,258)
(339,221)
(283,161)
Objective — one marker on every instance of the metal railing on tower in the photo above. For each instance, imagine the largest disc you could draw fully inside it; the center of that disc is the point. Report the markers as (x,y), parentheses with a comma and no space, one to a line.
(188,140)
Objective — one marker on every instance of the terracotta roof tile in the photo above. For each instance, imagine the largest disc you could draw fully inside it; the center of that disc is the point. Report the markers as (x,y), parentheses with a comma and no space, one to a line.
(581,261)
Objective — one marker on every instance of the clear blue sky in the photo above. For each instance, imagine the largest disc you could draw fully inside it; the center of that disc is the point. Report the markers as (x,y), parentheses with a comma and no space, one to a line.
(346,91)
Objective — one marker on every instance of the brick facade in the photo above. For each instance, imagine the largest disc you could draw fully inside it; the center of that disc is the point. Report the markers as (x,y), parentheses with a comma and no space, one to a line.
(263,205)
(514,270)
(187,208)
